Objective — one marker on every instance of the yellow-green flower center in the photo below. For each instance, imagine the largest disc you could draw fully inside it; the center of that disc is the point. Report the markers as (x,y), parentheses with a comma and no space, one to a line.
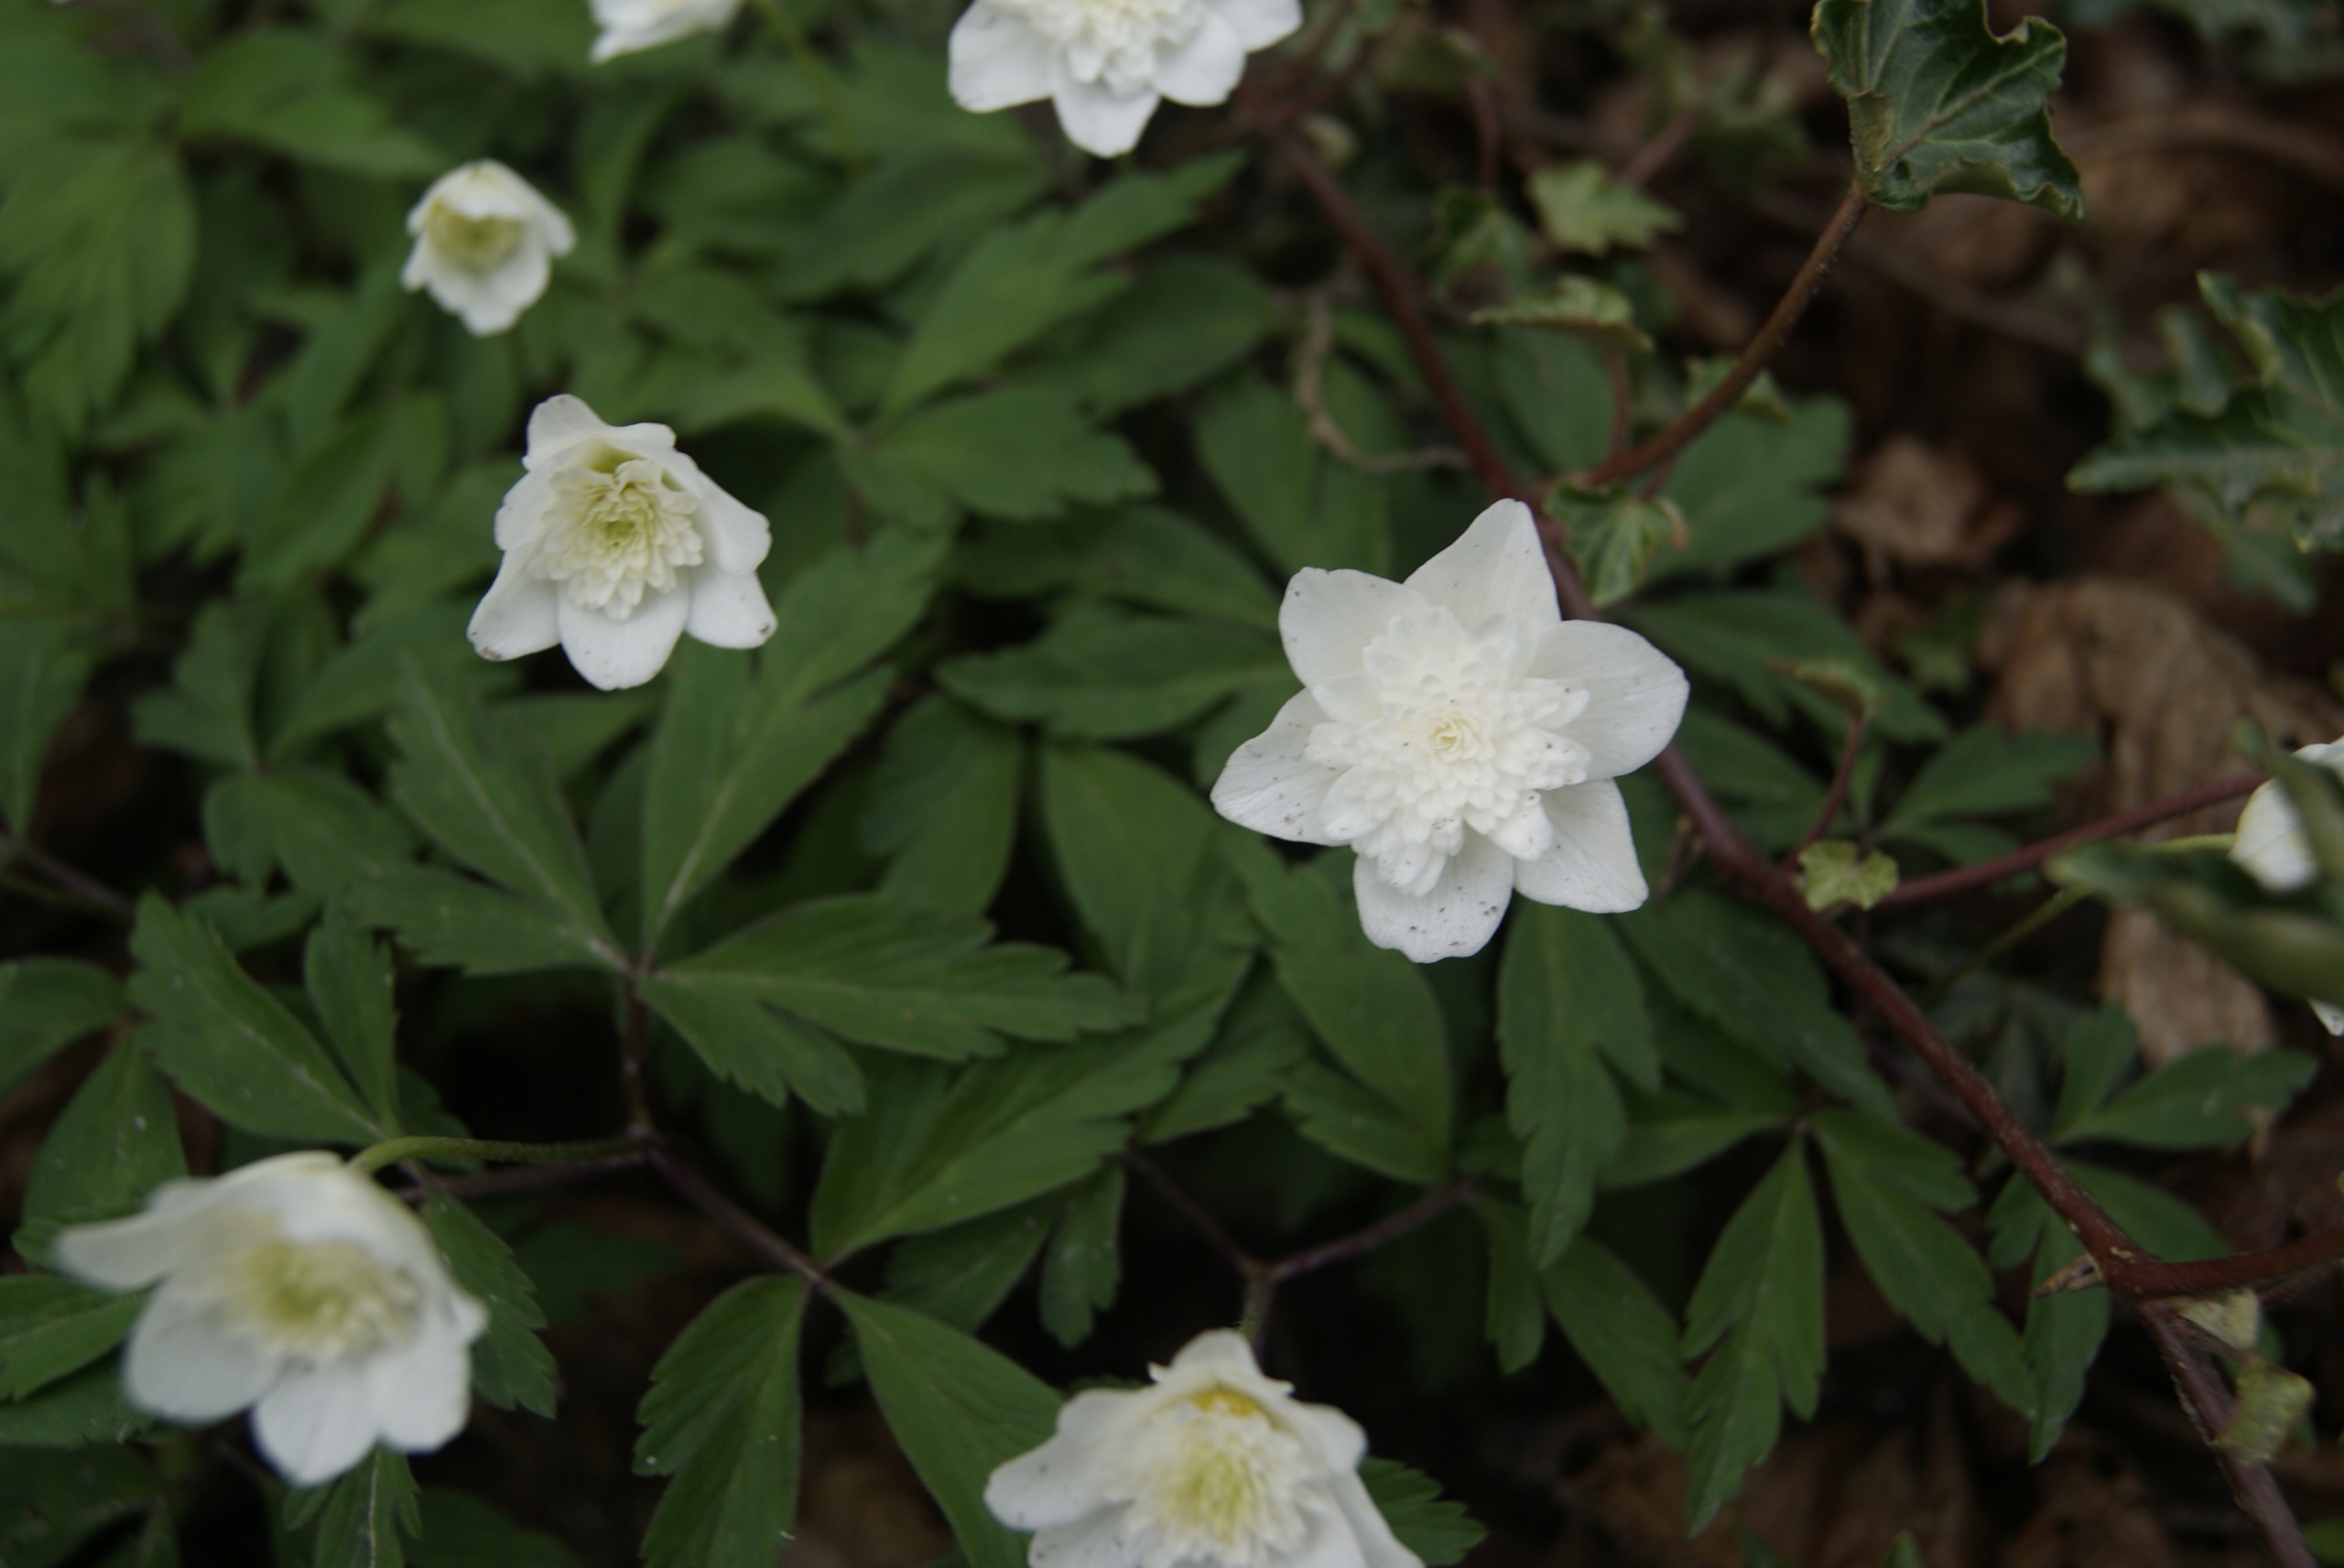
(617,527)
(475,244)
(322,1301)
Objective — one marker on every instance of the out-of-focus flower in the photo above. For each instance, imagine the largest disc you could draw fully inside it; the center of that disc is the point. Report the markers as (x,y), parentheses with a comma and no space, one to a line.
(299,1288)
(1214,1466)
(630,27)
(2272,845)
(1107,64)
(1461,737)
(616,545)
(484,244)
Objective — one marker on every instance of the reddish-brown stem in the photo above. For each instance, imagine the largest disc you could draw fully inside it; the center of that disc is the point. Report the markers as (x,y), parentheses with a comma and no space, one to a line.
(1399,291)
(1430,1206)
(70,878)
(761,1238)
(1624,392)
(1837,795)
(2283,1264)
(2209,1404)
(1985,874)
(1761,350)
(1199,1217)
(633,1047)
(1654,156)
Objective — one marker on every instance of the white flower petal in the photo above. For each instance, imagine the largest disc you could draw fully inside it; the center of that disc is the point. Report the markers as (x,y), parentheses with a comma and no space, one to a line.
(999,60)
(1635,692)
(125,1254)
(1059,1484)
(1593,863)
(557,424)
(2331,1015)
(521,515)
(2270,841)
(1327,618)
(1216,1350)
(1261,23)
(421,1396)
(317,1422)
(518,616)
(1455,920)
(1096,118)
(1378,1547)
(729,611)
(1496,567)
(1337,1438)
(1095,1541)
(1269,786)
(1206,69)
(184,1364)
(737,537)
(616,654)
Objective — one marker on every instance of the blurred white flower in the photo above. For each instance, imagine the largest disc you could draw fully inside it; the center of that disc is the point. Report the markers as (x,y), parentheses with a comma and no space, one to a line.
(484,244)
(1106,63)
(1213,1466)
(616,545)
(1461,737)
(299,1288)
(2272,845)
(632,26)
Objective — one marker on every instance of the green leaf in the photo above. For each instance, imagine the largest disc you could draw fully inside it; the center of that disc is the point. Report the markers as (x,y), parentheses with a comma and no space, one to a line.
(451,920)
(723,1417)
(116,1141)
(943,808)
(1135,849)
(207,710)
(1555,388)
(766,1051)
(1083,1265)
(1583,207)
(1759,984)
(368,1514)
(2099,1046)
(231,1044)
(2197,1101)
(1752,487)
(1021,452)
(1623,1333)
(517,35)
(1613,537)
(907,204)
(79,1411)
(1106,673)
(511,1365)
(729,756)
(1438,1531)
(45,1004)
(1139,555)
(1570,1012)
(287,91)
(886,973)
(1937,101)
(1371,1008)
(1740,637)
(1574,304)
(49,1327)
(1261,1039)
(1758,1309)
(43,668)
(1302,507)
(52,1502)
(1514,1312)
(1354,1123)
(495,807)
(1983,772)
(960,1274)
(1183,320)
(958,1411)
(461,1531)
(349,980)
(1836,871)
(2063,1332)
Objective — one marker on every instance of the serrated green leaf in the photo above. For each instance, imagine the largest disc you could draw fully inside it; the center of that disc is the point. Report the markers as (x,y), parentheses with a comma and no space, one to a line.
(1938,102)
(511,1365)
(1583,207)
(723,1417)
(1105,673)
(44,665)
(1353,1122)
(116,1141)
(959,1275)
(1836,871)
(231,1044)
(958,1409)
(1302,506)
(747,1043)
(51,1502)
(1083,1265)
(451,920)
(1262,1038)
(287,91)
(49,1327)
(1570,1012)
(1740,637)
(368,1514)
(1514,1312)
(1184,321)
(349,980)
(1984,772)
(1614,538)
(943,808)
(1758,1310)
(1621,1330)
(1020,452)
(1438,1531)
(206,711)
(84,1410)
(2197,1101)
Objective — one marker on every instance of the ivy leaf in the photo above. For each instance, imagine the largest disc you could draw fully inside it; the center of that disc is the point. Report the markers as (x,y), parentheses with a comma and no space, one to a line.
(1613,537)
(1937,101)
(1574,304)
(1836,871)
(1583,207)
(723,1418)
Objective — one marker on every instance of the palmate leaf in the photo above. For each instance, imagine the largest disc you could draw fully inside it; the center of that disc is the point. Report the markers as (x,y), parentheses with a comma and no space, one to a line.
(1937,101)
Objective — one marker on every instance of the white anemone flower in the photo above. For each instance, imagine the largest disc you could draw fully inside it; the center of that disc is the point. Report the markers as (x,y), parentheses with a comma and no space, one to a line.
(484,244)
(1213,1466)
(2272,845)
(299,1288)
(630,27)
(1463,737)
(1106,64)
(616,545)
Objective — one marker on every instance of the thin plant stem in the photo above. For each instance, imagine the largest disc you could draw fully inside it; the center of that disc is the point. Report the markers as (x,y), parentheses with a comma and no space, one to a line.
(526,1178)
(1615,370)
(69,877)
(1837,795)
(761,1238)
(2209,1406)
(826,87)
(633,1046)
(1679,432)
(1985,874)
(1430,1206)
(1654,156)
(367,1161)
